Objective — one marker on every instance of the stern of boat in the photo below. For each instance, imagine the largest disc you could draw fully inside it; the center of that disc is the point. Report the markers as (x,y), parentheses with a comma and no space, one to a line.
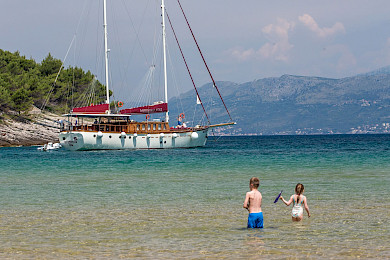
(71,140)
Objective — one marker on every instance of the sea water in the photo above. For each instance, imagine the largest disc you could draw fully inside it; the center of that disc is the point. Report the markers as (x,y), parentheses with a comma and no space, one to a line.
(187,203)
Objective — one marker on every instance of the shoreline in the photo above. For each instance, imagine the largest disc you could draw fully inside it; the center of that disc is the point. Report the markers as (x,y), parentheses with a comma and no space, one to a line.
(18,134)
(42,129)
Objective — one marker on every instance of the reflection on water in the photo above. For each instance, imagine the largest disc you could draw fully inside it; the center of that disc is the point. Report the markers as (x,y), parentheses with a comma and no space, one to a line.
(188,203)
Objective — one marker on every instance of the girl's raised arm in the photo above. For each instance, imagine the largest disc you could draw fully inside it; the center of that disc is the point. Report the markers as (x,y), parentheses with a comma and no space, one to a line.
(287,202)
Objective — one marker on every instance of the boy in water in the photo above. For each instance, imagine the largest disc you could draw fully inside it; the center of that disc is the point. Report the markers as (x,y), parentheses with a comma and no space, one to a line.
(252,203)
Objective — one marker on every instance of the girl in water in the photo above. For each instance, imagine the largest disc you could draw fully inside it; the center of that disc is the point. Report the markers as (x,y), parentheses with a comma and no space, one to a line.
(299,200)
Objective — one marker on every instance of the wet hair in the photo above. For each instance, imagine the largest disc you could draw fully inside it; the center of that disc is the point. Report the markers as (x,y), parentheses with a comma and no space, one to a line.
(255,181)
(299,190)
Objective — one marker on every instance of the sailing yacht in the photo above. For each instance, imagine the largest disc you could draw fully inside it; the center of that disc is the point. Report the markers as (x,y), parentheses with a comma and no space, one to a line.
(118,131)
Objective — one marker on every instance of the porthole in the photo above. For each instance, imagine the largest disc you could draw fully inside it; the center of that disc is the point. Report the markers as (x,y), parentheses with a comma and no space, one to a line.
(165,142)
(63,138)
(94,135)
(109,136)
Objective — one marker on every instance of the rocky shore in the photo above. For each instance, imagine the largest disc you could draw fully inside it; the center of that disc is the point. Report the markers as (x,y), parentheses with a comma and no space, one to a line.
(40,129)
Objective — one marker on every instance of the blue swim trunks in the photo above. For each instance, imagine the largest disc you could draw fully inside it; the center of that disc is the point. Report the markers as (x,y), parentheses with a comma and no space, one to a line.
(255,220)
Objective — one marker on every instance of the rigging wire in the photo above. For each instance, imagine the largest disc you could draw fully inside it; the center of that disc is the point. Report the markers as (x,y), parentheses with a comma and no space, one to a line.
(83,30)
(58,74)
(72,85)
(93,98)
(156,47)
(137,33)
(175,81)
(148,81)
(204,61)
(99,64)
(188,69)
(73,74)
(62,63)
(135,30)
(88,96)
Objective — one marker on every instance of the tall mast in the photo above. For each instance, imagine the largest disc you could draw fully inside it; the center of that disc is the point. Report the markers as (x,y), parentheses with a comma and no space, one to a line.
(165,58)
(106,50)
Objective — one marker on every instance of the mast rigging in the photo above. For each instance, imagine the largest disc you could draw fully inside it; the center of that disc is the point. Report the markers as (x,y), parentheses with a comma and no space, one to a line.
(204,61)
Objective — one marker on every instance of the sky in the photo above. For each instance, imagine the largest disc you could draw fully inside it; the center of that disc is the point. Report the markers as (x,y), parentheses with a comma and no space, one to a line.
(241,40)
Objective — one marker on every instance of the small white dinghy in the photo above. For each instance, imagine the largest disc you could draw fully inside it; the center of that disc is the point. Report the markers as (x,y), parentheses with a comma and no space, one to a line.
(50,146)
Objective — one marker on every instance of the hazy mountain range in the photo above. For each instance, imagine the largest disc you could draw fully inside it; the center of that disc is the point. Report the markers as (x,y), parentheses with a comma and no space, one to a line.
(297,104)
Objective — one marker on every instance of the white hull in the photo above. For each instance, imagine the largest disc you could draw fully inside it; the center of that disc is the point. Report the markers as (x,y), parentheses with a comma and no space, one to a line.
(86,140)
(49,146)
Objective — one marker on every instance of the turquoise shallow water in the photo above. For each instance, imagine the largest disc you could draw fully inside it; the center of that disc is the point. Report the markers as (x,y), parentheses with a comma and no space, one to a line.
(187,203)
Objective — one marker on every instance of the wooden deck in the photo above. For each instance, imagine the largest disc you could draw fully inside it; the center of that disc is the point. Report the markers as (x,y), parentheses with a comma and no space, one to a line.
(132,127)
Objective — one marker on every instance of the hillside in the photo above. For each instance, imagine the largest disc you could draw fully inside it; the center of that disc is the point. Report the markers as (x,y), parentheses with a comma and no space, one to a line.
(24,82)
(26,86)
(299,105)
(280,105)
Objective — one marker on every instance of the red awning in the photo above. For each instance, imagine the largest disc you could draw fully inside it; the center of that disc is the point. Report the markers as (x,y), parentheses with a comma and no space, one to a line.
(94,109)
(151,109)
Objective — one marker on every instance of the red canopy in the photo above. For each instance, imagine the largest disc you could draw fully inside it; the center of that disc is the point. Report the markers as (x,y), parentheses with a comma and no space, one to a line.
(94,109)
(151,109)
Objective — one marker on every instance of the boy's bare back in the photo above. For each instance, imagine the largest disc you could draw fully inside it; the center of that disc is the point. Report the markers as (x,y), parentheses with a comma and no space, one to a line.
(253,200)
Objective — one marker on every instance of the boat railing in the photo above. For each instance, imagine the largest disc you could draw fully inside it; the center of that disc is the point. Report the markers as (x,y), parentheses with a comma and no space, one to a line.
(140,127)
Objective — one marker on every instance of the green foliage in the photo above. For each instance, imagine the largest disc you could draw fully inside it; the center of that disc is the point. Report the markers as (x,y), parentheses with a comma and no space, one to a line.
(24,82)
(50,65)
(4,97)
(21,99)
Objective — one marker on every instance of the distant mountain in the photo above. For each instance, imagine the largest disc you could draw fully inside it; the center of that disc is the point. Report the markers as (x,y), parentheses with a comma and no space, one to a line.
(297,104)
(383,70)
